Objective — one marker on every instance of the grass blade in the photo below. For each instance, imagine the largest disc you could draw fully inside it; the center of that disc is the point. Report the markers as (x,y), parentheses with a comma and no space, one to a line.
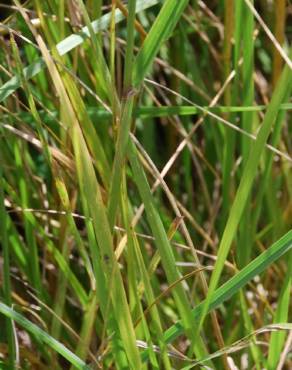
(43,337)
(70,43)
(233,285)
(161,30)
(283,87)
(6,273)
(165,250)
(277,338)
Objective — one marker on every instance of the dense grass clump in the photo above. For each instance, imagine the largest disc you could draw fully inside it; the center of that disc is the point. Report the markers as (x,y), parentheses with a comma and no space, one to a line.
(145,184)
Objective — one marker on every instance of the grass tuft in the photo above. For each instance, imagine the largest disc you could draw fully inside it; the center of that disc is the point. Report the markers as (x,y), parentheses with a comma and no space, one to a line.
(145,184)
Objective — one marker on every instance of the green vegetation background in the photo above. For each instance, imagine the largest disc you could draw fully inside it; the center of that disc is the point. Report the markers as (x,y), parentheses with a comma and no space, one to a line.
(145,184)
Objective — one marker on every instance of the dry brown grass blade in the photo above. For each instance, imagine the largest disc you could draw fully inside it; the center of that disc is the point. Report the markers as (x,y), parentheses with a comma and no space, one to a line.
(56,153)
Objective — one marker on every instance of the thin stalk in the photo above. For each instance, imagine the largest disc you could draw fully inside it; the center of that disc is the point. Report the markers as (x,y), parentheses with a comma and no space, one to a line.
(7,291)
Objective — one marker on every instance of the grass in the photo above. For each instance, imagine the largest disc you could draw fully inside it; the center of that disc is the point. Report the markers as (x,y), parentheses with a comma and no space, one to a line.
(145,193)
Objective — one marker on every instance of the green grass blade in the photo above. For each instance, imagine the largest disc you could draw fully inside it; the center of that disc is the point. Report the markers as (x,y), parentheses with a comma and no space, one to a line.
(122,141)
(183,110)
(248,326)
(242,342)
(87,328)
(70,43)
(165,249)
(90,188)
(91,193)
(29,221)
(99,63)
(249,173)
(6,273)
(43,337)
(277,338)
(233,285)
(86,255)
(66,270)
(136,255)
(162,111)
(161,30)
(129,58)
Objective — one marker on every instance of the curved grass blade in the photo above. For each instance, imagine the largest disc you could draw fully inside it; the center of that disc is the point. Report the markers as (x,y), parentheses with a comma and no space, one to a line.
(233,285)
(43,337)
(70,43)
(243,342)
